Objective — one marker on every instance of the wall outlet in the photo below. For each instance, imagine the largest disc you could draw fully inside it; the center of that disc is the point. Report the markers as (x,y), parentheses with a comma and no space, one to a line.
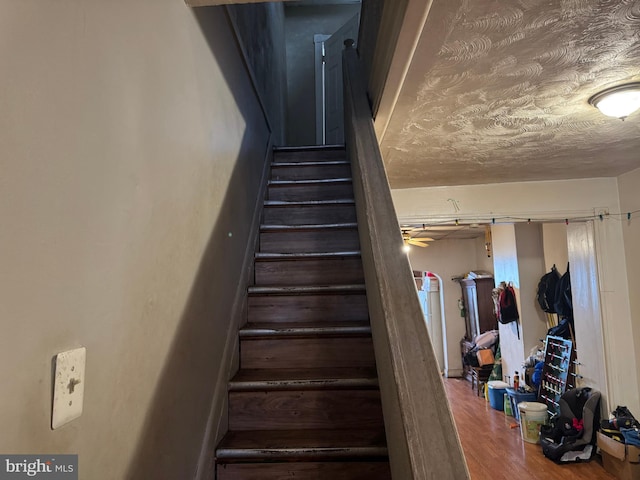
(68,390)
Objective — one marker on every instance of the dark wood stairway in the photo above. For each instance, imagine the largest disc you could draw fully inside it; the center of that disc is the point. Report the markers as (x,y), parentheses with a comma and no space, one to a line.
(305,403)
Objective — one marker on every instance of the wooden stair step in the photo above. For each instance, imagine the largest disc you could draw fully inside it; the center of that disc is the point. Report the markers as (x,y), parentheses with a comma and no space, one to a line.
(309,163)
(309,238)
(307,289)
(308,268)
(305,409)
(325,182)
(299,378)
(304,190)
(307,304)
(278,256)
(311,444)
(310,154)
(309,212)
(299,329)
(310,351)
(310,170)
(346,470)
(311,227)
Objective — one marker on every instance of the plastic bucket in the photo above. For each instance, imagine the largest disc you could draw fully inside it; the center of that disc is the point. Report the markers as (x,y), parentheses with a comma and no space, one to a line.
(532,416)
(516,397)
(496,390)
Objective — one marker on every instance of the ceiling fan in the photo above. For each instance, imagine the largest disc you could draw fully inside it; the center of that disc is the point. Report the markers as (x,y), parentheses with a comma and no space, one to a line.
(410,239)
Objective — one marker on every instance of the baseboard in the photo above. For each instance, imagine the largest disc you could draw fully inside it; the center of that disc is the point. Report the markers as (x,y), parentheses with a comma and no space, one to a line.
(453,373)
(217,421)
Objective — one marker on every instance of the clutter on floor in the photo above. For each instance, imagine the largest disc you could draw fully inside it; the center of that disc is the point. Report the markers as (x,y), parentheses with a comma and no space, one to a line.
(619,443)
(551,410)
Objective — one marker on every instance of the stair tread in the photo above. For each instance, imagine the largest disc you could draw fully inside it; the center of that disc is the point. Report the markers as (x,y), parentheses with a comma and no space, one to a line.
(302,443)
(286,183)
(304,329)
(295,255)
(282,203)
(313,226)
(309,163)
(309,148)
(302,289)
(293,374)
(301,379)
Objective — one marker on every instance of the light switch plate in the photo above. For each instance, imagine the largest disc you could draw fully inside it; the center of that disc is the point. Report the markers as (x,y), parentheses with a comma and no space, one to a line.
(68,390)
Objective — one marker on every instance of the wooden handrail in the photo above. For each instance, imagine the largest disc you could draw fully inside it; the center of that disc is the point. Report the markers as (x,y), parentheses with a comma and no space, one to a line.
(421,435)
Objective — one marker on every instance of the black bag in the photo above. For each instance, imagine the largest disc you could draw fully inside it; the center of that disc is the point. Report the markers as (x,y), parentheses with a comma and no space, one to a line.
(547,286)
(563,302)
(564,329)
(508,307)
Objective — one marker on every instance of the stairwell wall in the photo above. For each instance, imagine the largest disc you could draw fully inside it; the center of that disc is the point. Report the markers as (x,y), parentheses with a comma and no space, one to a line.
(133,147)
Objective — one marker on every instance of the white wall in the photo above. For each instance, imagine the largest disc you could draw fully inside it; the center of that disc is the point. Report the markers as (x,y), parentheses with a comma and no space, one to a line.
(505,267)
(449,258)
(132,150)
(554,237)
(553,200)
(535,200)
(630,202)
(533,325)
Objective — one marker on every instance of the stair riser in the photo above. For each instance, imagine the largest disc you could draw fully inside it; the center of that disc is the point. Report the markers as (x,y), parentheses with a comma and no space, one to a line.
(310,241)
(307,308)
(306,471)
(309,214)
(317,352)
(308,192)
(289,410)
(310,156)
(310,172)
(318,271)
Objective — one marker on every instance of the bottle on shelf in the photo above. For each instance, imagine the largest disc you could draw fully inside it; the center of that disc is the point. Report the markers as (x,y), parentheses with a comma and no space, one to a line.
(516,381)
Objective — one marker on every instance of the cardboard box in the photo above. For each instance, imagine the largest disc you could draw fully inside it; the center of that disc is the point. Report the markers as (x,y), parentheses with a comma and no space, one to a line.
(485,357)
(620,460)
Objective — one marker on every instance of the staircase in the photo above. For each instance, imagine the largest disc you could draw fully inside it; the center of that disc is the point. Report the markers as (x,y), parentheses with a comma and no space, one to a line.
(305,403)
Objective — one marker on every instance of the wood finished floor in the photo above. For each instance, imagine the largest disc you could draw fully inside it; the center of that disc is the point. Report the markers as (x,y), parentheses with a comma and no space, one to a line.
(494,451)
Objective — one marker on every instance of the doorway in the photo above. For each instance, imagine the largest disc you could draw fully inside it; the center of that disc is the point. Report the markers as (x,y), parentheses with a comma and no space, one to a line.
(328,68)
(303,20)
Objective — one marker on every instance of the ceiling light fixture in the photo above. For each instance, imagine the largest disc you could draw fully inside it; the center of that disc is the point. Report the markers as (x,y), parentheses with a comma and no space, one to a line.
(618,102)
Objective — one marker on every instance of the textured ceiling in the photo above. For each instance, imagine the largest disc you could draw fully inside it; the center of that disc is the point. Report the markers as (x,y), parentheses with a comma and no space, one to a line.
(497,92)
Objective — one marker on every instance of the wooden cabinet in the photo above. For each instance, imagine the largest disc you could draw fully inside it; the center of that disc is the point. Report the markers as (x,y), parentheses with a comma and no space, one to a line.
(478,304)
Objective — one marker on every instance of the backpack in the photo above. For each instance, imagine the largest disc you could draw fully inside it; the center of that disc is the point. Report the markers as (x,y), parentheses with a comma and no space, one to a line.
(547,286)
(563,304)
(508,307)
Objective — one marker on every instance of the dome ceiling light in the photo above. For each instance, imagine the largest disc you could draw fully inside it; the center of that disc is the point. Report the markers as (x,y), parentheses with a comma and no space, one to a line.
(618,102)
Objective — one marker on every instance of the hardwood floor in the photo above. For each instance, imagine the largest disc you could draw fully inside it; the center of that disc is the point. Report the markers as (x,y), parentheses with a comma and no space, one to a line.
(494,451)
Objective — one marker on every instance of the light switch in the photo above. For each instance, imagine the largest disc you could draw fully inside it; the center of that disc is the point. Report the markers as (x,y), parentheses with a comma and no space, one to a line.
(68,390)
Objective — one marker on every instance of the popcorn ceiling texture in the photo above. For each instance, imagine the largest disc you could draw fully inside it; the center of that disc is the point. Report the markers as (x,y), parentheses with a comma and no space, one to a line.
(498,92)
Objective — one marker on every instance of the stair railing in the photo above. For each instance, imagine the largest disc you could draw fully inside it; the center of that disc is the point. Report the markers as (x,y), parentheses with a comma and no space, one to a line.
(422,439)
